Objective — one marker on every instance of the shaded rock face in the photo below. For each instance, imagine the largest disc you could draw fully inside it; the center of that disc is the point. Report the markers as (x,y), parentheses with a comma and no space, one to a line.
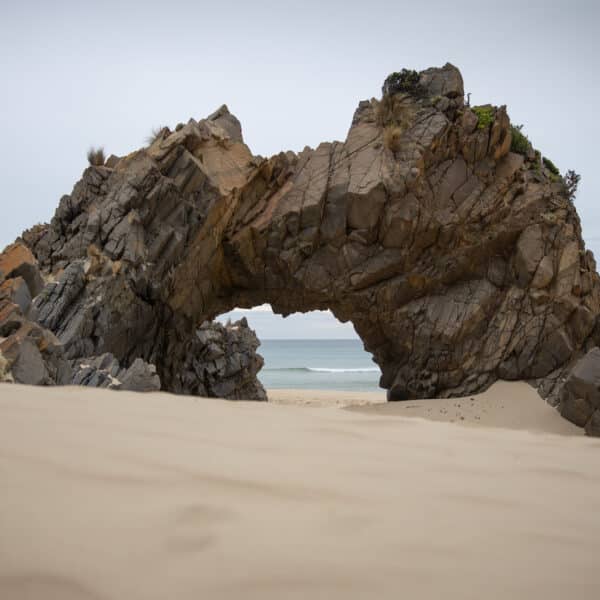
(105,371)
(457,261)
(220,361)
(580,395)
(28,353)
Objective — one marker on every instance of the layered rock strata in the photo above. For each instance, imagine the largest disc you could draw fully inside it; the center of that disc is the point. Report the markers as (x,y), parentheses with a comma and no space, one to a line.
(580,394)
(458,261)
(220,360)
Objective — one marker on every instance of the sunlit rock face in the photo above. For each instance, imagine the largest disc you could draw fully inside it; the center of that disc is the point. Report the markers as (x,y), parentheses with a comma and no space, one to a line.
(458,261)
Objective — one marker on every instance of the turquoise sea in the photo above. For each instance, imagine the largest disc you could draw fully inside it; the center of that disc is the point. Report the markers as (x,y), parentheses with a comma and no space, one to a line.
(318,364)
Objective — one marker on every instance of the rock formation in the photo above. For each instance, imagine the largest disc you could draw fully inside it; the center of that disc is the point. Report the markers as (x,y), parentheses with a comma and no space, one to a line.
(580,395)
(104,371)
(219,361)
(457,260)
(28,353)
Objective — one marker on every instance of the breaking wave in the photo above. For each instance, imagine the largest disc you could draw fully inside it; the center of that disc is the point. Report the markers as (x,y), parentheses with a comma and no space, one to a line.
(327,370)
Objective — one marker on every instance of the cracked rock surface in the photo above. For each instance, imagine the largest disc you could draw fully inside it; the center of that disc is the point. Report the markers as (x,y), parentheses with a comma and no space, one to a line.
(458,261)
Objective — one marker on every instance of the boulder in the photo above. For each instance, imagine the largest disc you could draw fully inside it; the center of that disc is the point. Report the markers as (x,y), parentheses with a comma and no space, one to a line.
(140,377)
(104,371)
(31,354)
(17,291)
(98,371)
(580,395)
(17,261)
(28,366)
(221,361)
(446,81)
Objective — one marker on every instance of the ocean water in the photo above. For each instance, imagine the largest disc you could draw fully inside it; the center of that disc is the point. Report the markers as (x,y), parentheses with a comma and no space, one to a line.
(318,364)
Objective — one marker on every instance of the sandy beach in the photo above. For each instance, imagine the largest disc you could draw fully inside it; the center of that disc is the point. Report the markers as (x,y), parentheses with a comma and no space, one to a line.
(111,495)
(510,405)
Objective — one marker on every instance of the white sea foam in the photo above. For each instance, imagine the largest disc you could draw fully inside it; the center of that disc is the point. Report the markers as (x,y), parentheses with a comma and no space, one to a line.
(326,370)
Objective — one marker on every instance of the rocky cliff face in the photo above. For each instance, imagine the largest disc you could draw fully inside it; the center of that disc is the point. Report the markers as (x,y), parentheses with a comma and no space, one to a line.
(218,361)
(458,261)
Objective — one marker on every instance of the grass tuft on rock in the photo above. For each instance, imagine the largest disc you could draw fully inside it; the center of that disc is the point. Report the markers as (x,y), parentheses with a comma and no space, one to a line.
(96,157)
(550,166)
(156,134)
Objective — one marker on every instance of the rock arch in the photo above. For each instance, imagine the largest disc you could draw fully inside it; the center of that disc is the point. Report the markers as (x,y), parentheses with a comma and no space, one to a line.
(457,260)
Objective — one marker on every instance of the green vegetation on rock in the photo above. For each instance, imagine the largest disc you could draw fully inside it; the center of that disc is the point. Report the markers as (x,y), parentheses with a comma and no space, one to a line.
(520,142)
(571,181)
(485,116)
(550,166)
(404,81)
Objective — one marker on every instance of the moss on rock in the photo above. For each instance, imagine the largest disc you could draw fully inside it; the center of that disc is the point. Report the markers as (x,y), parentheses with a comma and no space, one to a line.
(485,115)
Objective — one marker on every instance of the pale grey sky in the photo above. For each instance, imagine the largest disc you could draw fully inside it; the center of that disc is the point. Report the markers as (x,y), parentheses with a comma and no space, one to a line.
(76,73)
(318,324)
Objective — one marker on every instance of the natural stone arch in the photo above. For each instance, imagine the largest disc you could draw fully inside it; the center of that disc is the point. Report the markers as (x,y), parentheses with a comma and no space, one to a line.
(457,261)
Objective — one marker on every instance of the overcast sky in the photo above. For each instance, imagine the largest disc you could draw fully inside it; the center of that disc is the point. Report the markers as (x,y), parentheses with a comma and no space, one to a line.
(79,73)
(316,325)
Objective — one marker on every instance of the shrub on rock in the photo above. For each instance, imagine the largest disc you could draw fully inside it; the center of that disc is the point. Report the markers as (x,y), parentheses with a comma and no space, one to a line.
(520,142)
(96,157)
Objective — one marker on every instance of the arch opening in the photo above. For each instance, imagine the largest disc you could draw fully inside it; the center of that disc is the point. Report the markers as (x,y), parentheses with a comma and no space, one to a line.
(312,350)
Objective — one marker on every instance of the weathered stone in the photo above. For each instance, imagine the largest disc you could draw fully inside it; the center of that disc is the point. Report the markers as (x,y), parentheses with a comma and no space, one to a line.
(530,250)
(5,374)
(105,371)
(33,354)
(17,291)
(221,360)
(457,261)
(509,165)
(112,161)
(140,377)
(580,394)
(13,256)
(577,410)
(568,269)
(29,366)
(230,124)
(446,81)
(544,273)
(593,425)
(17,261)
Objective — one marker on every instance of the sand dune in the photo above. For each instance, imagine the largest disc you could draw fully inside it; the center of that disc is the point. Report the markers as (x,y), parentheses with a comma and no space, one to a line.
(511,405)
(108,495)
